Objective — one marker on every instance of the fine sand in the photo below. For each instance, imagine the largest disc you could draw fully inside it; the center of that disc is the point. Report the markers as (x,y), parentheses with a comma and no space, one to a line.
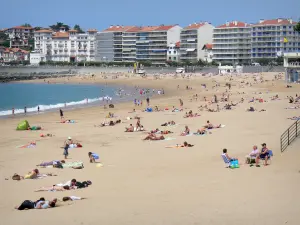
(144,183)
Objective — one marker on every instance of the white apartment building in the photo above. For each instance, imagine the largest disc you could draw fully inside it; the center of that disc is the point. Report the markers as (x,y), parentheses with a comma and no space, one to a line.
(19,36)
(132,43)
(232,43)
(272,38)
(65,46)
(173,53)
(192,39)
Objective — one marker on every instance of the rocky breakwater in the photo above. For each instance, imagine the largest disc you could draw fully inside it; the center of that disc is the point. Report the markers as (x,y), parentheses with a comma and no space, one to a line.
(18,76)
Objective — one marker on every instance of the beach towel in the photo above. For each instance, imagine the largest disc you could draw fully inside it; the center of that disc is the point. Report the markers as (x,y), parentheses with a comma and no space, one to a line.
(75,146)
(31,145)
(169,139)
(72,164)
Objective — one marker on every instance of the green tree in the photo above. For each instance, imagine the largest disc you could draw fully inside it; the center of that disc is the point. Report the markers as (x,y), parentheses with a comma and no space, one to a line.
(56,27)
(297,27)
(26,25)
(37,28)
(78,28)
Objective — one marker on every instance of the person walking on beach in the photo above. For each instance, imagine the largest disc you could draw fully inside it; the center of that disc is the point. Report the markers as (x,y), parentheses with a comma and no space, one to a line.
(148,101)
(181,102)
(61,114)
(38,109)
(66,147)
(25,109)
(13,111)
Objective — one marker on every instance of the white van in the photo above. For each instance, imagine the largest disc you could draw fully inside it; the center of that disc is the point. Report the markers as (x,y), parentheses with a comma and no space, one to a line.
(255,64)
(180,70)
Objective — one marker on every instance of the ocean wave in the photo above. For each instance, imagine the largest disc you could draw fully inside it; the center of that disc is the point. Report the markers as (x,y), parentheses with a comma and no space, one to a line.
(55,106)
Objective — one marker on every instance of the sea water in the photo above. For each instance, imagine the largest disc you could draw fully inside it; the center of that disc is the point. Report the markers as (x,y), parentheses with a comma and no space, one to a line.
(51,96)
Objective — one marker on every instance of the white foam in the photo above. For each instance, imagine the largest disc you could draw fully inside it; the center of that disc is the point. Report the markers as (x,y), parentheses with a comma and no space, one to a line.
(55,106)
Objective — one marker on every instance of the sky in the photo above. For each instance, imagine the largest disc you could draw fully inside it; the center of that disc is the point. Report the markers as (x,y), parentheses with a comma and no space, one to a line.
(100,14)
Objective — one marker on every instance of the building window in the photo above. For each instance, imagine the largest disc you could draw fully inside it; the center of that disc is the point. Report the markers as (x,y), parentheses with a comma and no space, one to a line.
(174,58)
(170,58)
(169,52)
(174,52)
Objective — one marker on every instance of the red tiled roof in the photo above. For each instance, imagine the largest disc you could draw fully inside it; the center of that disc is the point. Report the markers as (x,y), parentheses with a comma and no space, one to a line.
(43,31)
(118,28)
(276,22)
(233,24)
(60,35)
(163,27)
(22,27)
(14,50)
(72,30)
(195,25)
(177,44)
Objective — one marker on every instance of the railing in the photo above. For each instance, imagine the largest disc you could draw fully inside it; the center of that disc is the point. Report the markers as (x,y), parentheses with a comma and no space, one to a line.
(290,135)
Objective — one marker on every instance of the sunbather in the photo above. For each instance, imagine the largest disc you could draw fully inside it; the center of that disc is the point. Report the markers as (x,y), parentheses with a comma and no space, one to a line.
(51,163)
(153,137)
(129,129)
(211,126)
(186,131)
(170,123)
(46,135)
(201,131)
(185,144)
(72,198)
(39,204)
(251,109)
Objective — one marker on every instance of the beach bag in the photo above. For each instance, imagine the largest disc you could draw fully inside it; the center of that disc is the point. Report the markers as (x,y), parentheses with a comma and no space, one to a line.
(16,177)
(24,125)
(234,164)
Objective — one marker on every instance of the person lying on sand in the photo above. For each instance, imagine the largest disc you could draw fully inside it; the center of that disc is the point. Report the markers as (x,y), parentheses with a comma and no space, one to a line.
(133,111)
(54,188)
(176,109)
(153,137)
(186,131)
(67,121)
(34,174)
(185,144)
(34,128)
(51,163)
(294,118)
(39,204)
(201,131)
(71,198)
(211,126)
(251,109)
(190,114)
(46,135)
(170,123)
(157,131)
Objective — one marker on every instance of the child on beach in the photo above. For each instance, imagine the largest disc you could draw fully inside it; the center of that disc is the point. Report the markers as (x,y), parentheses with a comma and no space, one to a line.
(93,157)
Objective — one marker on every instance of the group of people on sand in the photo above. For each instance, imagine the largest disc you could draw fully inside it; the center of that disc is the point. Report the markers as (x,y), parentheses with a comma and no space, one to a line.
(254,156)
(138,127)
(110,123)
(190,114)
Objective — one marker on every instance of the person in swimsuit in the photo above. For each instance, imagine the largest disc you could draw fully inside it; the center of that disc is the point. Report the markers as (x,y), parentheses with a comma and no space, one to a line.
(153,137)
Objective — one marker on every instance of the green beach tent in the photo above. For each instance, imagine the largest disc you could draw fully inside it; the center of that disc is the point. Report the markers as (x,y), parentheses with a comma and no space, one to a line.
(23,125)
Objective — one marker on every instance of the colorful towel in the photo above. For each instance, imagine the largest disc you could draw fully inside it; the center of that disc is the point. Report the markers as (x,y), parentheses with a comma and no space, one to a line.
(72,164)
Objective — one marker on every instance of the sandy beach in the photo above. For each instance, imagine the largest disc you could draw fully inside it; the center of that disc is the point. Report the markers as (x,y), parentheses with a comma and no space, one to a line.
(142,182)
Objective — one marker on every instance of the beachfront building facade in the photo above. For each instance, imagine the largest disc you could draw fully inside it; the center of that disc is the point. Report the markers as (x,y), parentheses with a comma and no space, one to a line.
(232,43)
(208,53)
(13,55)
(133,43)
(65,46)
(192,39)
(19,36)
(292,66)
(271,38)
(109,44)
(173,53)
